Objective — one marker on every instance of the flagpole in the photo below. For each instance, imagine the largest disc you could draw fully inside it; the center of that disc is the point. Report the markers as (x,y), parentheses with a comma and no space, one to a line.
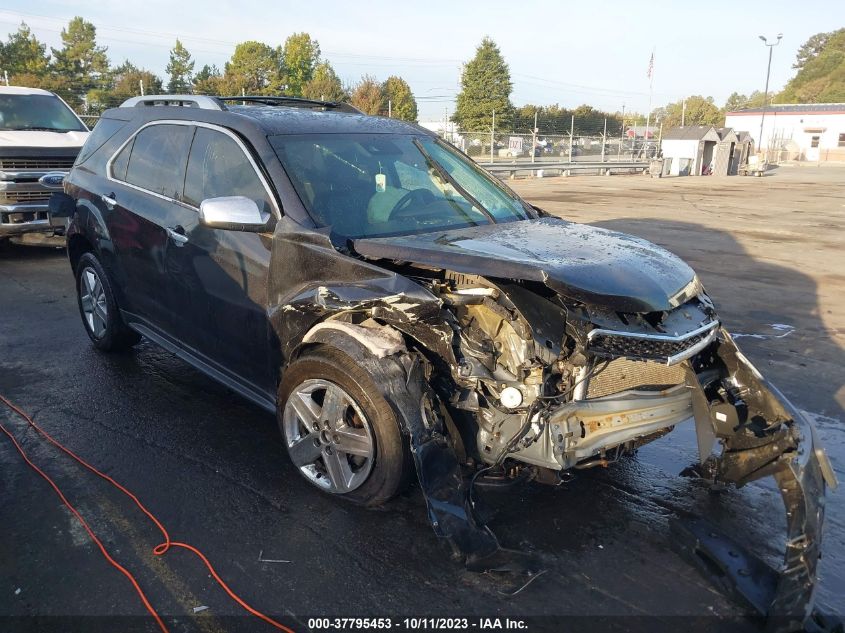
(648,115)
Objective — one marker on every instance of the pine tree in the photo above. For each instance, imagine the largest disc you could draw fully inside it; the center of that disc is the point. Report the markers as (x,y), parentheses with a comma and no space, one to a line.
(80,64)
(23,54)
(180,69)
(207,81)
(402,103)
(485,87)
(325,85)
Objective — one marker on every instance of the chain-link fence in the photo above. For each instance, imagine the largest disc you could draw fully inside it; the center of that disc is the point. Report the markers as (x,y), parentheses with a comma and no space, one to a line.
(487,147)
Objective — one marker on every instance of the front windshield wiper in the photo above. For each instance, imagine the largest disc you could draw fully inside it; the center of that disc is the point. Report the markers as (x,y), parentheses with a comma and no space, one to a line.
(448,178)
(37,128)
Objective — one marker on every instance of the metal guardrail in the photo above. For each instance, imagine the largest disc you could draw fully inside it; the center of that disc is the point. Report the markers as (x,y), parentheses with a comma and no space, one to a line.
(606,167)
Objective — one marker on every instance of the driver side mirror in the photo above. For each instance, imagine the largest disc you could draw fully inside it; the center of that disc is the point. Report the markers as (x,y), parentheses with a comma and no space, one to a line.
(232,213)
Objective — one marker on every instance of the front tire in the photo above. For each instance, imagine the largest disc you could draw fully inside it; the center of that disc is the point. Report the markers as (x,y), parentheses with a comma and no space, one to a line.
(98,307)
(340,432)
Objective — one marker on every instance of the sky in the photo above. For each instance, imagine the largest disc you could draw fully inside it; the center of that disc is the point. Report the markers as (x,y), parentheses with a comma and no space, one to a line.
(559,52)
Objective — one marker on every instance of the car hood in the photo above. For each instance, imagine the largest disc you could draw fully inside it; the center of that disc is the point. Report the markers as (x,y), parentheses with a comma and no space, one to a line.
(585,263)
(23,138)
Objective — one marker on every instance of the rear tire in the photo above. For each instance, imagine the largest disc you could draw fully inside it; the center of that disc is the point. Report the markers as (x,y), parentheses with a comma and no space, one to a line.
(380,464)
(98,307)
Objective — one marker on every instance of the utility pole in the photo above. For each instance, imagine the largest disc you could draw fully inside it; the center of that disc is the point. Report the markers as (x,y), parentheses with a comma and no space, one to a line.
(603,140)
(6,76)
(571,136)
(621,135)
(492,135)
(389,109)
(534,137)
(683,112)
(141,84)
(766,93)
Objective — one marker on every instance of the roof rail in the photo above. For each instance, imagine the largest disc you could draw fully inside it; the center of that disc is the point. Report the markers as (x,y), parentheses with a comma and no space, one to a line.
(294,102)
(203,102)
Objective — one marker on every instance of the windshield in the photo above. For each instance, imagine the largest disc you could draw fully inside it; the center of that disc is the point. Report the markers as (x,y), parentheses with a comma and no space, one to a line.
(37,112)
(366,185)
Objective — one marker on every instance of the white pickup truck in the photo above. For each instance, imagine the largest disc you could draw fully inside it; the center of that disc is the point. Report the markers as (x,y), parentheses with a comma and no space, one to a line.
(40,137)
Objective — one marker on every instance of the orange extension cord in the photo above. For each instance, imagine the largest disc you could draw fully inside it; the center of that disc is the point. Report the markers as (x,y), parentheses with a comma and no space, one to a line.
(158,550)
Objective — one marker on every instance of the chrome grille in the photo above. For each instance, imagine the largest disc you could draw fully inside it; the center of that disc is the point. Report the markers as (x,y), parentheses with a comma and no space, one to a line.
(15,197)
(36,163)
(622,374)
(660,347)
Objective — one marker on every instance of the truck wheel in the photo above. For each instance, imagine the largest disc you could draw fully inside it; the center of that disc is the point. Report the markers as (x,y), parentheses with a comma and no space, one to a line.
(99,309)
(339,430)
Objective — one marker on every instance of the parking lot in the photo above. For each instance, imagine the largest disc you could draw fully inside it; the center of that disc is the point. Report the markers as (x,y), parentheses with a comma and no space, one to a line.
(211,466)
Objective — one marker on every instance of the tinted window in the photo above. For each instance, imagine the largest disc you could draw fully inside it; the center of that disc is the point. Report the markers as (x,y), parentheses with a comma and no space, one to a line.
(121,161)
(391,184)
(218,167)
(102,132)
(157,161)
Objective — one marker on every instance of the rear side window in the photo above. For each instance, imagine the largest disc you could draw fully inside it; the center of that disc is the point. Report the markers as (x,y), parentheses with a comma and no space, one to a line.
(102,132)
(121,162)
(218,167)
(157,159)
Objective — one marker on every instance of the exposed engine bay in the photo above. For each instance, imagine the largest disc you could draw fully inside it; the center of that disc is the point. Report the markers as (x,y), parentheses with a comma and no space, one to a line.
(562,387)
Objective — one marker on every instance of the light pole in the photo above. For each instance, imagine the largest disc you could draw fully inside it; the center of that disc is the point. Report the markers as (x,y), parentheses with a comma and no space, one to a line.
(766,93)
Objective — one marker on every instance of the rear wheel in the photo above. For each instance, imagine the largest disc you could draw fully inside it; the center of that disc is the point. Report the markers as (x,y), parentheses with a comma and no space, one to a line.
(98,307)
(339,430)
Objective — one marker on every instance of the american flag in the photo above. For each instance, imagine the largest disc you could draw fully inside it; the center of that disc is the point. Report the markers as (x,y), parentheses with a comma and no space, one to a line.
(650,66)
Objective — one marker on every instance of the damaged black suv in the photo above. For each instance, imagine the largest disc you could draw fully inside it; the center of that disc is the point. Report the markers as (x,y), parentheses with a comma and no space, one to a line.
(401,310)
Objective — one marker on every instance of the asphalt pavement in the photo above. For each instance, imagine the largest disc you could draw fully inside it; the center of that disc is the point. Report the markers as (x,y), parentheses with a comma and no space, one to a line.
(211,466)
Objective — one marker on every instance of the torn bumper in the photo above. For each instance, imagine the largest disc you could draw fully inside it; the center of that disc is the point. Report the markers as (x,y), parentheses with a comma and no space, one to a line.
(763,434)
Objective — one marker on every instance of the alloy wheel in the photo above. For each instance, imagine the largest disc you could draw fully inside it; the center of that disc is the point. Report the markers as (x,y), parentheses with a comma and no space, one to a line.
(93,301)
(328,436)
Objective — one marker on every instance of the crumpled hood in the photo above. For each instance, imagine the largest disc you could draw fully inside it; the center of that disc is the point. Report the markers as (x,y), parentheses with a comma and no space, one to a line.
(11,138)
(581,262)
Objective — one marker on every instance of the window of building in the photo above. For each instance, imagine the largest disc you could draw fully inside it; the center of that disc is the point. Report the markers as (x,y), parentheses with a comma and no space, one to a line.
(842,140)
(814,141)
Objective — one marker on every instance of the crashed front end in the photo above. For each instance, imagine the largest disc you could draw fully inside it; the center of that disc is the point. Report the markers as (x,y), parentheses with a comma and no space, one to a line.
(531,350)
(558,385)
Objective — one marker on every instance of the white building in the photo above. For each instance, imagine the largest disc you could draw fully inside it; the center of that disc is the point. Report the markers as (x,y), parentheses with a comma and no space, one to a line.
(814,131)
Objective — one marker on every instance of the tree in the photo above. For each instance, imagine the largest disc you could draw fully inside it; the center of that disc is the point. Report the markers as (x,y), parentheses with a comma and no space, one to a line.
(125,82)
(255,68)
(368,96)
(821,77)
(325,85)
(23,53)
(699,111)
(180,68)
(80,61)
(740,102)
(485,87)
(207,81)
(811,49)
(301,55)
(402,103)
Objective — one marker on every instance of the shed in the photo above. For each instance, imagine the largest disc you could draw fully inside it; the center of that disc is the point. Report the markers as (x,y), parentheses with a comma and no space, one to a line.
(745,148)
(688,150)
(724,160)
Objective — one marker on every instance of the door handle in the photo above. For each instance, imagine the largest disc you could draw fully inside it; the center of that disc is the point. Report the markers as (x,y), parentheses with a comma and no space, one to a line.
(109,200)
(177,235)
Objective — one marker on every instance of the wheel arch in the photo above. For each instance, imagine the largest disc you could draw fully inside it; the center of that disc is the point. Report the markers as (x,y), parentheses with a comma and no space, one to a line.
(77,246)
